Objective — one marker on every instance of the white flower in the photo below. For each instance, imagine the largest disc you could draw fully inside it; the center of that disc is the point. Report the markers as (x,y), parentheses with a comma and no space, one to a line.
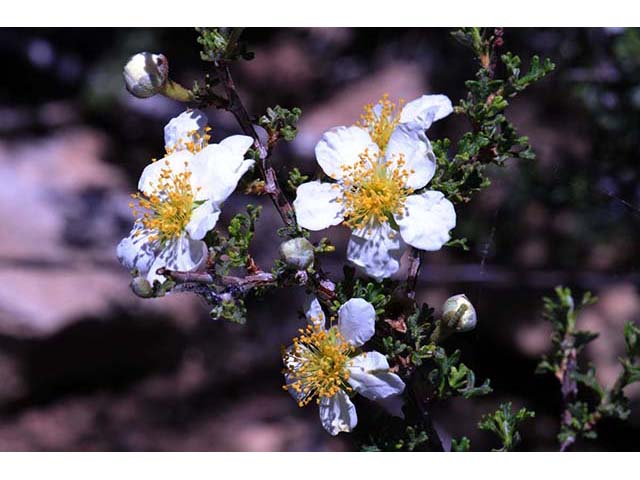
(180,198)
(145,74)
(324,364)
(378,164)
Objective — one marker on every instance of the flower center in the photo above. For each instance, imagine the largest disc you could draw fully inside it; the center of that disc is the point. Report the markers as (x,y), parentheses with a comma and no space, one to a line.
(316,364)
(169,206)
(373,191)
(380,120)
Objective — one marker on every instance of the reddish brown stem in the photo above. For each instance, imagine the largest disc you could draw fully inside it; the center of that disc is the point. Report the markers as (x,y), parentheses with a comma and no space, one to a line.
(236,107)
(415,263)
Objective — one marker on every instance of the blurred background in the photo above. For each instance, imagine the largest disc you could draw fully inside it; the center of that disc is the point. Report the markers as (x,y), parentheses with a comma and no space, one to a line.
(86,365)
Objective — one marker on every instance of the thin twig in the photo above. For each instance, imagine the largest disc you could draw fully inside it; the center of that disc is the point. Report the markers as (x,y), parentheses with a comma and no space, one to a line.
(324,287)
(435,443)
(568,386)
(236,107)
(234,104)
(254,280)
(186,277)
(415,263)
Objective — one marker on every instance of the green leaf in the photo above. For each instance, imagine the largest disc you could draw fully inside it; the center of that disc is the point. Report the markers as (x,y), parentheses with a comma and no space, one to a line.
(233,310)
(632,339)
(222,43)
(462,445)
(296,179)
(582,338)
(281,122)
(232,250)
(505,423)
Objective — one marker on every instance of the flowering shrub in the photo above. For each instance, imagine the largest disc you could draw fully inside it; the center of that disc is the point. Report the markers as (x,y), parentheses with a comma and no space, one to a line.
(367,345)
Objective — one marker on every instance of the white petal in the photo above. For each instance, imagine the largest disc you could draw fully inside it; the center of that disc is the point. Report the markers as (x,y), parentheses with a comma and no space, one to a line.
(136,251)
(426,110)
(338,413)
(409,142)
(217,170)
(177,162)
(342,146)
(203,219)
(371,378)
(187,127)
(317,206)
(238,144)
(356,321)
(376,251)
(181,254)
(427,220)
(313,312)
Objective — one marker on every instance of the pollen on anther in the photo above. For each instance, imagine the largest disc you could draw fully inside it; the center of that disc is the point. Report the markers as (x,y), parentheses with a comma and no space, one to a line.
(169,204)
(373,190)
(316,364)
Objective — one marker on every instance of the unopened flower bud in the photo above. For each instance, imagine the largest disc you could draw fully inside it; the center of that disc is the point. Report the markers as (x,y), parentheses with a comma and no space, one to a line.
(141,287)
(146,74)
(459,314)
(297,252)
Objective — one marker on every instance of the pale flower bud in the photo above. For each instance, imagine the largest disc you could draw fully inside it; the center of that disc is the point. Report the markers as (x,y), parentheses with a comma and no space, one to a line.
(145,74)
(297,252)
(459,314)
(141,287)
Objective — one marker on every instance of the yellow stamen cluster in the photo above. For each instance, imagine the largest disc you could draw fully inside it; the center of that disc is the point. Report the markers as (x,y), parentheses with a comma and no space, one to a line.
(381,125)
(316,364)
(373,191)
(169,206)
(196,143)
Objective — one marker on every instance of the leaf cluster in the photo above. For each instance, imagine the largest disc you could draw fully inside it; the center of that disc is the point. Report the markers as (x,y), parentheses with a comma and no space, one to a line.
(592,401)
(504,423)
(562,313)
(222,44)
(280,122)
(296,178)
(353,287)
(493,138)
(462,445)
(451,377)
(233,310)
(232,250)
(410,439)
(407,339)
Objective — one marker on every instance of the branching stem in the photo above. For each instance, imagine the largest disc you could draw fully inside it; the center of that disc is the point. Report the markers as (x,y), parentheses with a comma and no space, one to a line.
(235,106)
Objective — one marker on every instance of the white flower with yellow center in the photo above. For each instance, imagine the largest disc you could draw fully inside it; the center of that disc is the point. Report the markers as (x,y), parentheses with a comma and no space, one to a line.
(180,196)
(324,364)
(378,164)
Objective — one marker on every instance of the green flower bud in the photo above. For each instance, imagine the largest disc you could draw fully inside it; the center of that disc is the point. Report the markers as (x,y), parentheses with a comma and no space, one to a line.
(141,287)
(459,314)
(146,74)
(297,252)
